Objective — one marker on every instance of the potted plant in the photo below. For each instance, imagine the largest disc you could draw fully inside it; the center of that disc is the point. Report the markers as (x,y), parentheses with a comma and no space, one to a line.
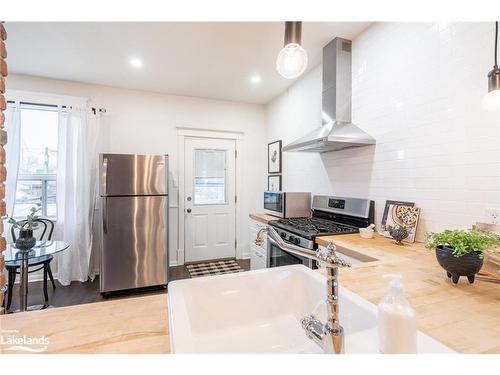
(25,240)
(461,252)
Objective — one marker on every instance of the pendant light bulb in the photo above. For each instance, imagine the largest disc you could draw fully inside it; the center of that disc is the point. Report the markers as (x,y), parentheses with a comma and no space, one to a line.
(292,59)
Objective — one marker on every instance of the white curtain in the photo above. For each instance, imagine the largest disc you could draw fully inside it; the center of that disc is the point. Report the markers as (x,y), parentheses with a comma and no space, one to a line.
(76,190)
(12,155)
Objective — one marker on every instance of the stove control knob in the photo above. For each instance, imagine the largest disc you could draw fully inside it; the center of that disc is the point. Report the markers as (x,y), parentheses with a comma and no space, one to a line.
(291,238)
(296,240)
(283,235)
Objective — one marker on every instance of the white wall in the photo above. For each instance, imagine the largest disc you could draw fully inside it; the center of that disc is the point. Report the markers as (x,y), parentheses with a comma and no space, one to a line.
(143,122)
(418,89)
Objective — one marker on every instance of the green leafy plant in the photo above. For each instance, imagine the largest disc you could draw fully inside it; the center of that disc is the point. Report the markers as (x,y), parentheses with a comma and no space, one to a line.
(463,241)
(30,222)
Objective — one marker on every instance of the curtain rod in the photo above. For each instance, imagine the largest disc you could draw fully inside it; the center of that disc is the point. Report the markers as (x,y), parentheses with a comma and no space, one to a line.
(94,110)
(37,104)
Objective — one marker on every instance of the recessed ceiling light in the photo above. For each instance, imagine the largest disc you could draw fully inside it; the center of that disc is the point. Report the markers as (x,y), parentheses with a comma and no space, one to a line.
(255,79)
(136,63)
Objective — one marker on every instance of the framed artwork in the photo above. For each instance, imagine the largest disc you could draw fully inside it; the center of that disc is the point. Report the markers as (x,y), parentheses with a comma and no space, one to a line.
(386,209)
(274,183)
(274,157)
(406,216)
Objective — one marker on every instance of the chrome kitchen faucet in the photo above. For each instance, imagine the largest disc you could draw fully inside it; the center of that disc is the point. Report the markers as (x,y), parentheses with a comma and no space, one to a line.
(314,328)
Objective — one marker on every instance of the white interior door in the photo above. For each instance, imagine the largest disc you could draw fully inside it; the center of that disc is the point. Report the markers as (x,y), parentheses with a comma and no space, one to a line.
(209,199)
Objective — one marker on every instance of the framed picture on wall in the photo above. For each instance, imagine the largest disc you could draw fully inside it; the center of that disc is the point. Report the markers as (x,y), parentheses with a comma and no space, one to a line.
(274,183)
(274,157)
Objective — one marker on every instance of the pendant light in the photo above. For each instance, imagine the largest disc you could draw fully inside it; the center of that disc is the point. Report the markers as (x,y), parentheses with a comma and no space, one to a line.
(292,59)
(494,74)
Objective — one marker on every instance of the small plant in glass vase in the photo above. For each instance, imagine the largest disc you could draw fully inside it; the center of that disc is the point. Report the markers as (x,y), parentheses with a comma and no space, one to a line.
(25,239)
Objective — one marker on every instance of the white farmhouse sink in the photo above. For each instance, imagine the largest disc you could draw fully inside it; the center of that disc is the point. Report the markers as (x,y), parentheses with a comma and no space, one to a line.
(260,311)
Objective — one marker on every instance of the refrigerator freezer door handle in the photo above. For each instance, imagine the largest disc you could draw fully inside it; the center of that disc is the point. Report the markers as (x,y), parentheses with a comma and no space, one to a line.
(104,176)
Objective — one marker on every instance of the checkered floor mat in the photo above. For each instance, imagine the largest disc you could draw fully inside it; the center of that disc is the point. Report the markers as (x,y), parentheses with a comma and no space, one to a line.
(218,267)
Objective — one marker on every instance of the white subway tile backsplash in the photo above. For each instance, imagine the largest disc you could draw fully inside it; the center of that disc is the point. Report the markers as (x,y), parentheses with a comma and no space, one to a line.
(419,89)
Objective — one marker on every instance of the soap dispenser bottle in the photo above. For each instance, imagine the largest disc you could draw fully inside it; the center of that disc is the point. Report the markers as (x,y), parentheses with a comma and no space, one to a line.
(397,328)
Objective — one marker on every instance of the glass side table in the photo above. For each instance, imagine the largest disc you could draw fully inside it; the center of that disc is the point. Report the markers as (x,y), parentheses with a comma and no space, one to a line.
(14,254)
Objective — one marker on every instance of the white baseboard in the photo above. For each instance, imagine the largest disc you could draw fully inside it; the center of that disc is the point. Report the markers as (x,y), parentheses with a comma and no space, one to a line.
(180,257)
(243,251)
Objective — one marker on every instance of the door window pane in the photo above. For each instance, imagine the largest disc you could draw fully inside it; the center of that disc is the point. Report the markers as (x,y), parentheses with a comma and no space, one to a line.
(28,194)
(209,177)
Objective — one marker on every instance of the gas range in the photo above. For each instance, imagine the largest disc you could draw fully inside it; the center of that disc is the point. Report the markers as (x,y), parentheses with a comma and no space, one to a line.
(331,215)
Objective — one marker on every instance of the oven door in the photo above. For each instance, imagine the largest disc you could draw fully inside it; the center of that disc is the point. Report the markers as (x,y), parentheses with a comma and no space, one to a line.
(277,257)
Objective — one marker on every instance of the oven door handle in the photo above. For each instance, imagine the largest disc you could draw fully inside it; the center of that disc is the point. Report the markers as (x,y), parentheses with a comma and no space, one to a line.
(293,249)
(306,260)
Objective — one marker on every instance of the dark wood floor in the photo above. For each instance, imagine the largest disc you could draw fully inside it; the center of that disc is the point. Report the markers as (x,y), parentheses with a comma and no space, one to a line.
(88,292)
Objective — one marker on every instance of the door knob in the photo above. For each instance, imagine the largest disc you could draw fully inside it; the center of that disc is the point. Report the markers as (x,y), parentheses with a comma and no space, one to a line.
(188,210)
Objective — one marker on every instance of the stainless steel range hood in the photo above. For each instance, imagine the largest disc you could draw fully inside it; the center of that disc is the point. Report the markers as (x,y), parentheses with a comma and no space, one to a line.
(337,131)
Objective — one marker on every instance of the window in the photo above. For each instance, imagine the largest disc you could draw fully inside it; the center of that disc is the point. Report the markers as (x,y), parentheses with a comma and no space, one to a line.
(210,177)
(36,182)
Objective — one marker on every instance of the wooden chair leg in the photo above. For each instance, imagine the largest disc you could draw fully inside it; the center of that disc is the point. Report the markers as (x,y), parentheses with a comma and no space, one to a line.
(50,275)
(10,288)
(45,274)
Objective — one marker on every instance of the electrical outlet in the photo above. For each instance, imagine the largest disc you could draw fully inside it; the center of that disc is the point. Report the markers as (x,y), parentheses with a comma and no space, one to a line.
(493,215)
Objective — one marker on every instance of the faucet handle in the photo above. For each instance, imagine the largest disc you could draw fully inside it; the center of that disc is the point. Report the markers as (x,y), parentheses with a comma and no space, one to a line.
(329,256)
(331,246)
(342,262)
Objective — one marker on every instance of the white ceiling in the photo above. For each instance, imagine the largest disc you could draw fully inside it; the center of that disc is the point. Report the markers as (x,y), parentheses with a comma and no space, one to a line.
(204,59)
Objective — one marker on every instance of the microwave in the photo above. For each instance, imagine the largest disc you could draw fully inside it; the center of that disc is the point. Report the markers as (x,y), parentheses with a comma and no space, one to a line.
(287,204)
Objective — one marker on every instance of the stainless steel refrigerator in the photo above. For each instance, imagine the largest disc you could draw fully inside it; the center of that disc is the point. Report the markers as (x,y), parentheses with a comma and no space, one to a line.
(134,221)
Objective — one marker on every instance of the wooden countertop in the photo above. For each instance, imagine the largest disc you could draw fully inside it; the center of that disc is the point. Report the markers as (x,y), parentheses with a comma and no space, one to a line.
(131,325)
(263,218)
(465,317)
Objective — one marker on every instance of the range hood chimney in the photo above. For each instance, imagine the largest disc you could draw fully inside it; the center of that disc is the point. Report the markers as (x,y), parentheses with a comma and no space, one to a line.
(337,131)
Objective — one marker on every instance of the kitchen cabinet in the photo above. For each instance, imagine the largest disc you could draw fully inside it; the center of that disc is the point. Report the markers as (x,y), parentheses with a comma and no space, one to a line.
(258,258)
(258,254)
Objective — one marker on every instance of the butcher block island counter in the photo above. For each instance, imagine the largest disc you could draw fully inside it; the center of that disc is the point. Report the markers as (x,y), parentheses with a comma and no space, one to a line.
(263,218)
(136,325)
(465,317)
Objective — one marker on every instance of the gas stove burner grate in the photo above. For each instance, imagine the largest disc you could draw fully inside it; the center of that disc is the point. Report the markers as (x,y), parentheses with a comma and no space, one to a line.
(315,226)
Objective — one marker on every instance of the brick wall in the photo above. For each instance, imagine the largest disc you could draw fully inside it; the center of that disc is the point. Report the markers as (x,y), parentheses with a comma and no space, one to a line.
(3,141)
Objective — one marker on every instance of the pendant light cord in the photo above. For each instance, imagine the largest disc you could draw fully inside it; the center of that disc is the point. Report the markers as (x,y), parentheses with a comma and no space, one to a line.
(496,43)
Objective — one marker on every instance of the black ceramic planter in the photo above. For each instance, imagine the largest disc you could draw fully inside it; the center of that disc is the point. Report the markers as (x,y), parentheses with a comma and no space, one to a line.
(466,265)
(26,240)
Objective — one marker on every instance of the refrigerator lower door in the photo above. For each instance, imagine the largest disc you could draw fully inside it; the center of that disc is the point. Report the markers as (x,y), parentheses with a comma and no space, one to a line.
(134,242)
